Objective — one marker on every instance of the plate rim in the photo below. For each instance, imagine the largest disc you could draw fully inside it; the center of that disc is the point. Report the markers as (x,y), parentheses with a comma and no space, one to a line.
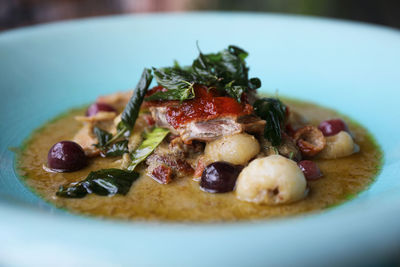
(193,228)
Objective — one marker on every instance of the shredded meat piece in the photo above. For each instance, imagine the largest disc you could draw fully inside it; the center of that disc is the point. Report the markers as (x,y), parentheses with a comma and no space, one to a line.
(201,165)
(149,119)
(162,174)
(178,147)
(85,136)
(175,159)
(287,148)
(172,154)
(160,118)
(310,140)
(252,124)
(179,165)
(102,116)
(209,130)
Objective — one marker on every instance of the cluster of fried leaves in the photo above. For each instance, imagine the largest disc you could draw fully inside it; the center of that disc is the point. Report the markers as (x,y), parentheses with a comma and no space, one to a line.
(228,73)
(225,70)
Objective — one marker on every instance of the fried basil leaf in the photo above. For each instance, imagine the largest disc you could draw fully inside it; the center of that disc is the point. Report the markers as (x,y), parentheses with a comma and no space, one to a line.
(178,82)
(106,182)
(226,71)
(103,137)
(131,111)
(274,112)
(235,91)
(117,149)
(254,83)
(224,67)
(110,150)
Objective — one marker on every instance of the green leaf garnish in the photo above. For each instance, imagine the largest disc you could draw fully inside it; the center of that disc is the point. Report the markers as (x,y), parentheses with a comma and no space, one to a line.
(150,142)
(226,71)
(109,150)
(103,137)
(106,182)
(179,83)
(235,91)
(274,112)
(131,111)
(173,78)
(222,68)
(117,149)
(254,83)
(184,94)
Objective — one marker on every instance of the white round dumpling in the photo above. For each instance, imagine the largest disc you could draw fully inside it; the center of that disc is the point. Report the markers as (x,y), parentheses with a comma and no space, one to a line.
(271,180)
(338,146)
(235,149)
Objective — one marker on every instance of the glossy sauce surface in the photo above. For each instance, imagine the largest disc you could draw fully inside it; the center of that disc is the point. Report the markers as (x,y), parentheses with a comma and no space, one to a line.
(182,200)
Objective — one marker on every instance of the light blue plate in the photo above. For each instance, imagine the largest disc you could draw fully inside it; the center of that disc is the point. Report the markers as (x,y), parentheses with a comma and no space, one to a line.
(354,68)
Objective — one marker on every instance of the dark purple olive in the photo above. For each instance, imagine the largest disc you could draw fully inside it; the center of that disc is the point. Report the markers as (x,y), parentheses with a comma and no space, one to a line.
(66,156)
(332,127)
(310,169)
(97,107)
(219,177)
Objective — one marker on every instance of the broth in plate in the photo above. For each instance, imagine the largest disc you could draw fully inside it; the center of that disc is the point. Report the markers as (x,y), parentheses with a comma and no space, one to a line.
(182,199)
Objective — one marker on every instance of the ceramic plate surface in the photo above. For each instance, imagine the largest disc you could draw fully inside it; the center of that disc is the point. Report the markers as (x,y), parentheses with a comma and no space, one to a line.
(354,68)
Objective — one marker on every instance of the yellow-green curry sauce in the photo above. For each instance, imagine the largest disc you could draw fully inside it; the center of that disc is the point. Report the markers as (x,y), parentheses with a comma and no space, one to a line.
(182,200)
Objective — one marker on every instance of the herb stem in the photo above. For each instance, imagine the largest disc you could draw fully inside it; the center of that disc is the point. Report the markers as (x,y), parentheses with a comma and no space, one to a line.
(116,137)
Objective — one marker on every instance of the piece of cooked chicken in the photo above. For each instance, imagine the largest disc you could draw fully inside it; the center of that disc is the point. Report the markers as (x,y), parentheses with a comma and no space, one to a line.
(205,118)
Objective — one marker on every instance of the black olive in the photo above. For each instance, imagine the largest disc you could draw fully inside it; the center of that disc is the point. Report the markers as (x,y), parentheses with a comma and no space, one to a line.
(219,177)
(66,156)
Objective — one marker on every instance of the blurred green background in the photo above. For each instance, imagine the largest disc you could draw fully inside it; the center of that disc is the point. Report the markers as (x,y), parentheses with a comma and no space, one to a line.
(17,13)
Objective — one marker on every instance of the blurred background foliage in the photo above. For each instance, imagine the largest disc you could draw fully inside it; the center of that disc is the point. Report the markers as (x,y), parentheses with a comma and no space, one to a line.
(16,13)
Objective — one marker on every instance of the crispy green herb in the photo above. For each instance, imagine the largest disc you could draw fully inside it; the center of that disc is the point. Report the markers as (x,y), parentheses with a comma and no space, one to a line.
(226,71)
(117,149)
(173,94)
(178,81)
(106,182)
(254,83)
(223,68)
(274,112)
(175,79)
(235,91)
(150,142)
(131,111)
(111,150)
(103,137)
